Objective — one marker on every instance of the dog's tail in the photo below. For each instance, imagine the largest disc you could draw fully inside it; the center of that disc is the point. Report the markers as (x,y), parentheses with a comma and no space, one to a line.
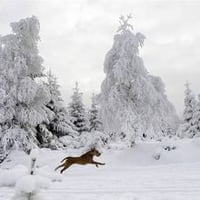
(64,159)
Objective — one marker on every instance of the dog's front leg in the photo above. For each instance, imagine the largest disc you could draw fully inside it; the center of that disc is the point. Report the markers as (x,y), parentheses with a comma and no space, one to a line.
(97,163)
(100,163)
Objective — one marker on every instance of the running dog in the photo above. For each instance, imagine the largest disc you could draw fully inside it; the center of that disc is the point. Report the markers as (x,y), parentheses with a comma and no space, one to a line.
(86,158)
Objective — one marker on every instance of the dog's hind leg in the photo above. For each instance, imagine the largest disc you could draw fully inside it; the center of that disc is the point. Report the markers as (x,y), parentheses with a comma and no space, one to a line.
(59,167)
(65,167)
(64,159)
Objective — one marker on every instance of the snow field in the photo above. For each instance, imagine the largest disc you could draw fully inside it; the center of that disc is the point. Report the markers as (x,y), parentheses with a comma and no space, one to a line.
(131,174)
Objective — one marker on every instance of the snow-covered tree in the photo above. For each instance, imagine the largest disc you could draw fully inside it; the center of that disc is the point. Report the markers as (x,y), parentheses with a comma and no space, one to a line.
(94,118)
(77,111)
(190,103)
(59,123)
(133,103)
(189,128)
(23,99)
(196,117)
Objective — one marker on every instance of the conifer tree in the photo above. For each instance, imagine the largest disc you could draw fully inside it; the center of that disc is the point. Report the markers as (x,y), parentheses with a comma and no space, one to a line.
(132,102)
(189,128)
(196,117)
(22,97)
(59,123)
(94,119)
(77,111)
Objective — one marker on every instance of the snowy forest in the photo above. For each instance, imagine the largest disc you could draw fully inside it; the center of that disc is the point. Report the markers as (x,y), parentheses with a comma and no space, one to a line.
(132,104)
(132,107)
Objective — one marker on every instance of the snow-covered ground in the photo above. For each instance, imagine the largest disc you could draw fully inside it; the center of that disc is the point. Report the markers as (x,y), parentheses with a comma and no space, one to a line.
(131,174)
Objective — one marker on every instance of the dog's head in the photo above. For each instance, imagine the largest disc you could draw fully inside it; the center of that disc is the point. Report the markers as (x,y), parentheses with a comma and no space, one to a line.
(95,152)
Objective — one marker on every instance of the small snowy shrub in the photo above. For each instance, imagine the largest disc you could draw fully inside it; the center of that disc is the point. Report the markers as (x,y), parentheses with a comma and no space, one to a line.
(32,184)
(10,177)
(169,148)
(27,187)
(168,144)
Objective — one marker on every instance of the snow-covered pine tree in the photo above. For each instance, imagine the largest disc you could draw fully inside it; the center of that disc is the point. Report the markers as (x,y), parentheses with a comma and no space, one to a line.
(23,99)
(189,126)
(94,119)
(196,117)
(133,103)
(59,124)
(77,111)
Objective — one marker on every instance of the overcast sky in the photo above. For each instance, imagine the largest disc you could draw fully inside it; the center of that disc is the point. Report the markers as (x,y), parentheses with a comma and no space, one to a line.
(76,34)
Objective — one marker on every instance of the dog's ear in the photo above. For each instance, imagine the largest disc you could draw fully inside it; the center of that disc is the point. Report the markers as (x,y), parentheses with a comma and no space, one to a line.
(92,147)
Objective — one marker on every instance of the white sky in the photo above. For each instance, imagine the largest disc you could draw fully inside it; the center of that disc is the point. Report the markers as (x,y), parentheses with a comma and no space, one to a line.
(76,34)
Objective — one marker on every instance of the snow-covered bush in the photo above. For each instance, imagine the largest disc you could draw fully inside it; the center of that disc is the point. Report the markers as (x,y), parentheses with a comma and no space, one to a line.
(119,141)
(85,140)
(15,138)
(28,186)
(167,145)
(93,139)
(8,178)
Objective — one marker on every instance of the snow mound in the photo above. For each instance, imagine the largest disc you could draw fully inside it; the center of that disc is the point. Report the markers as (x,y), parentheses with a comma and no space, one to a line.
(10,177)
(32,183)
(156,153)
